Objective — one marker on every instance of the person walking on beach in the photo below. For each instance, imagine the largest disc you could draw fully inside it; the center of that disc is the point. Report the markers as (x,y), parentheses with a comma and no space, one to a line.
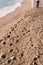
(37,3)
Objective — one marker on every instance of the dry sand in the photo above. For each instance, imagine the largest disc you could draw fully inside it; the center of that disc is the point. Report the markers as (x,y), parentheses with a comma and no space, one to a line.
(21,37)
(14,17)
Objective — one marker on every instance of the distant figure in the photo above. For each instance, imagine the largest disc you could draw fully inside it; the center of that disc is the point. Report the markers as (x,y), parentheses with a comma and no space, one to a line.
(37,2)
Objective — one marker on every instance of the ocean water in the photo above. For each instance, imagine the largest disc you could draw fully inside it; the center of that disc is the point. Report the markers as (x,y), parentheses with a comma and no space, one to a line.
(7,6)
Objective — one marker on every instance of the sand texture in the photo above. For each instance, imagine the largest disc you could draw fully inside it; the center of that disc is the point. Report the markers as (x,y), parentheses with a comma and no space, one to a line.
(23,44)
(21,37)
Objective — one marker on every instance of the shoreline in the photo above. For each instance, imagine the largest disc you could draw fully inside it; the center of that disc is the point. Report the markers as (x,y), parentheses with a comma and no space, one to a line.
(10,8)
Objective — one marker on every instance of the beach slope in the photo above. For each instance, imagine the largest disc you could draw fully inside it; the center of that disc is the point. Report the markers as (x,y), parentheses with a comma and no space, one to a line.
(21,37)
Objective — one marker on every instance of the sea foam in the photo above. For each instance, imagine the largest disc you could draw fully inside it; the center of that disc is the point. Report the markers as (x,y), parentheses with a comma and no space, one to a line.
(4,11)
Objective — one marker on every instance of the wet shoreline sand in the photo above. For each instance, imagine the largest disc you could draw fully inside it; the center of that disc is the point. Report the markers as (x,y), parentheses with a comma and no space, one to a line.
(9,8)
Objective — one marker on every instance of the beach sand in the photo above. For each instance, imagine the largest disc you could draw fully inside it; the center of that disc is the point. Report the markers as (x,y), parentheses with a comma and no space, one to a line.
(11,18)
(21,36)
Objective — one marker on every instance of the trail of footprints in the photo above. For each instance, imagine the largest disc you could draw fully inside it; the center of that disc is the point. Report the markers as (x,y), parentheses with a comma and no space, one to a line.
(22,45)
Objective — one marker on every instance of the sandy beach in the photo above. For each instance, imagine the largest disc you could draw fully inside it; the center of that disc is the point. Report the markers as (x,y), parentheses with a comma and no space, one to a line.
(21,36)
(16,16)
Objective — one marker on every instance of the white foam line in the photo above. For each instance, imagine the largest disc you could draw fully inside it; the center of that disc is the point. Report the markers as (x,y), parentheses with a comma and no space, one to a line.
(4,11)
